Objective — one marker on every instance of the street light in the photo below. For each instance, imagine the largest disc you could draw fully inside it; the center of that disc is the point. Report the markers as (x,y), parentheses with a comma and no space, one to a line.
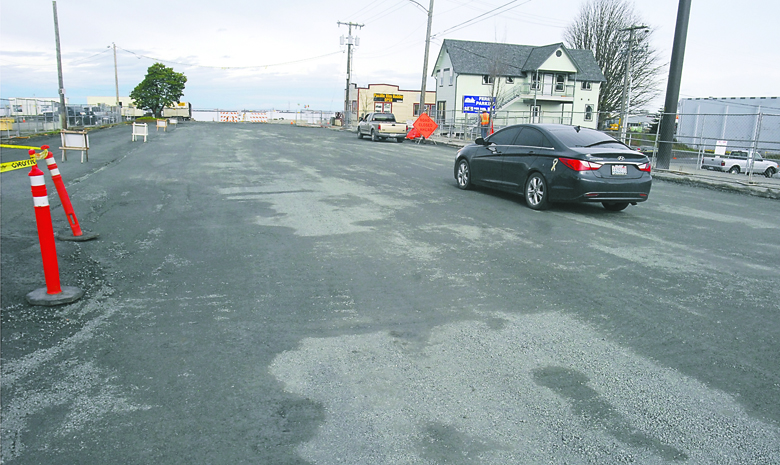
(627,80)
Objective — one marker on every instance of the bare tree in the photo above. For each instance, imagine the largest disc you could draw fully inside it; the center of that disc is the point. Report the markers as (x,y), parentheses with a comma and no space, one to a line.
(600,28)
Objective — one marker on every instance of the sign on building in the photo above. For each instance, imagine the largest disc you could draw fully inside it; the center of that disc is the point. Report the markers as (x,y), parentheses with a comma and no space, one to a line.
(380,97)
(476,103)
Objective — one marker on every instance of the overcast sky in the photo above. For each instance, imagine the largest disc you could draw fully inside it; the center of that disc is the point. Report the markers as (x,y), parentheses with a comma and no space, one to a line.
(263,54)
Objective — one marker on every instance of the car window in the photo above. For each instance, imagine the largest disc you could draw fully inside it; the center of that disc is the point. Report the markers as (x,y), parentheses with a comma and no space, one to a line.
(584,137)
(531,137)
(505,136)
(384,117)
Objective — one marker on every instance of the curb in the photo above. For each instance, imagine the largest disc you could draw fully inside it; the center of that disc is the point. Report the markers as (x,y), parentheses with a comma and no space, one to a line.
(697,181)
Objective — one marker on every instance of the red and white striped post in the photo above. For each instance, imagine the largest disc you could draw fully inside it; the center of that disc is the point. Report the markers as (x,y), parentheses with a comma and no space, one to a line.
(78,234)
(53,293)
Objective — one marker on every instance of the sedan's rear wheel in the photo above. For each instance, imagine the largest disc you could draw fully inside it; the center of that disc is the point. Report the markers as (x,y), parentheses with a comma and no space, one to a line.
(536,192)
(464,174)
(615,206)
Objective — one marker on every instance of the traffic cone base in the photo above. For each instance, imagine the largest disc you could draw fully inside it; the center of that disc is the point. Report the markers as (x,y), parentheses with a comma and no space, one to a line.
(68,295)
(85,236)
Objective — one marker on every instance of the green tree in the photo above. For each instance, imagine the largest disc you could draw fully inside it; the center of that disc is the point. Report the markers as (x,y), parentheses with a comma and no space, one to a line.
(161,87)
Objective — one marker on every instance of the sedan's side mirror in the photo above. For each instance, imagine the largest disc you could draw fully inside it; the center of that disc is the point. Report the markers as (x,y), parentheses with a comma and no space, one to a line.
(479,141)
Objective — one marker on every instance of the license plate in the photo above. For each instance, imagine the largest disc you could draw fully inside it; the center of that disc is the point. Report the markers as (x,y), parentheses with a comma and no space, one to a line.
(619,170)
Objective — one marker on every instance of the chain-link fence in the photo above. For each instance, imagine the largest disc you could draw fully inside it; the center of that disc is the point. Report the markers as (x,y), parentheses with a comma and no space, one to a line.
(25,116)
(467,126)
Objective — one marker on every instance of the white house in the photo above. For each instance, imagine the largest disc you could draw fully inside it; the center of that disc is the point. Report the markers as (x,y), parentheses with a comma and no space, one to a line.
(523,83)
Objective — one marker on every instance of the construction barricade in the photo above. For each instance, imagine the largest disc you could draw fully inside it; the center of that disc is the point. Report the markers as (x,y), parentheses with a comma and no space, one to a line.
(140,130)
(75,140)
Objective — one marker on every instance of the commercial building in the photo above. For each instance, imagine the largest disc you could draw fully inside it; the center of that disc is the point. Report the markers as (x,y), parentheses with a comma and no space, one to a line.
(388,98)
(516,83)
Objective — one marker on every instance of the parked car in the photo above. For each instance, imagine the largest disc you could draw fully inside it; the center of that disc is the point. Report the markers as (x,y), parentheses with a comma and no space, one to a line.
(381,126)
(549,163)
(738,161)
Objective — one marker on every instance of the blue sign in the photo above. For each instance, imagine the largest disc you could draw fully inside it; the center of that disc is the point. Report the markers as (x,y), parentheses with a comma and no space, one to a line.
(476,103)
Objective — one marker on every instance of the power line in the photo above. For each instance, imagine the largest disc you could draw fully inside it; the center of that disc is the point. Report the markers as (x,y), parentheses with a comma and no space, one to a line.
(139,55)
(477,19)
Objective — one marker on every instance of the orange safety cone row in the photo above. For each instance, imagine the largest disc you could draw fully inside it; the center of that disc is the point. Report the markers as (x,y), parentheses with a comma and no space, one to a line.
(56,177)
(53,293)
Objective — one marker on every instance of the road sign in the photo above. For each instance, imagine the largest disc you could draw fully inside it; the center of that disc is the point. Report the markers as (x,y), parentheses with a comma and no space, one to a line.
(425,125)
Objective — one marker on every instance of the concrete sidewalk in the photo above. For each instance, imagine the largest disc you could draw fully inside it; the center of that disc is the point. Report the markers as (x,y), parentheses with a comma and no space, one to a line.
(687,173)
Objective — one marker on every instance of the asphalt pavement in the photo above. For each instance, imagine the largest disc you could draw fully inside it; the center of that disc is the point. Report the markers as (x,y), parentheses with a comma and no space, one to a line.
(274,294)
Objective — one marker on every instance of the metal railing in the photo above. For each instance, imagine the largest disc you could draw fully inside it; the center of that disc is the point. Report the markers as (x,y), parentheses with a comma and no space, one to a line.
(23,117)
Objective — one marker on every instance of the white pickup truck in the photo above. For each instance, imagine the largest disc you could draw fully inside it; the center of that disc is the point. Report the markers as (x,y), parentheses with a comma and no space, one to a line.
(738,161)
(381,126)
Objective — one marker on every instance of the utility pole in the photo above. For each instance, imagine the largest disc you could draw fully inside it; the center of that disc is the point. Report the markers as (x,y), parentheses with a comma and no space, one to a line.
(425,60)
(63,110)
(350,42)
(116,80)
(668,119)
(627,82)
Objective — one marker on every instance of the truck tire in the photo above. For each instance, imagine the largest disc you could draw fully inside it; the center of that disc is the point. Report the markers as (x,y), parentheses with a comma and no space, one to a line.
(734,169)
(769,172)
(374,138)
(401,139)
(360,134)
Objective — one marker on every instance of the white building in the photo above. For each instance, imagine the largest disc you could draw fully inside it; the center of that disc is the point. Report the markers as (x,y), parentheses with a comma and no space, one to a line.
(523,83)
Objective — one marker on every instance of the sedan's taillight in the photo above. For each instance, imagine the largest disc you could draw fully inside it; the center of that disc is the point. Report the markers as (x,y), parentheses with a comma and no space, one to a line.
(644,167)
(580,165)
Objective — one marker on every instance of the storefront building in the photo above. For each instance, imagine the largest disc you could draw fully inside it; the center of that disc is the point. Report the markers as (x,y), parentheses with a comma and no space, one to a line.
(387,98)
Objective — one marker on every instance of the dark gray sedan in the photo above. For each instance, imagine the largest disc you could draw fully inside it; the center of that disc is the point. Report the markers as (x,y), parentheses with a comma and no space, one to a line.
(556,163)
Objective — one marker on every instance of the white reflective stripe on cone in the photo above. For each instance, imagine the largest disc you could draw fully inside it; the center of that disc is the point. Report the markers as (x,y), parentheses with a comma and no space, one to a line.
(41,201)
(37,181)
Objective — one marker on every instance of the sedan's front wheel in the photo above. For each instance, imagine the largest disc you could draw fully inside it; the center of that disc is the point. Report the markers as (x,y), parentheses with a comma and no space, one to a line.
(464,174)
(536,192)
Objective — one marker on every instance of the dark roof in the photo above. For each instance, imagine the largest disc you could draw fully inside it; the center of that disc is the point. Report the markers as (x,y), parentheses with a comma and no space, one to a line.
(478,58)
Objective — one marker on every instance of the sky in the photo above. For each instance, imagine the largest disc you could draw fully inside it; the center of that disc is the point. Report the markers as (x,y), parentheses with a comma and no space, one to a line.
(286,55)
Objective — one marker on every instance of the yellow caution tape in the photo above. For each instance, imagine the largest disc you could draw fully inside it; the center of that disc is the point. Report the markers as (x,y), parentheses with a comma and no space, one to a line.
(18,147)
(16,165)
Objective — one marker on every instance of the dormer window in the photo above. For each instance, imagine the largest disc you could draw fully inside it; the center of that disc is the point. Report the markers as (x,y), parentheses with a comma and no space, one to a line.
(487,79)
(586,85)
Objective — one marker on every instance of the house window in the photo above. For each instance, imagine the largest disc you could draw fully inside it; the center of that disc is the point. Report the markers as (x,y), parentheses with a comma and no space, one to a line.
(586,85)
(560,82)
(354,106)
(429,109)
(444,75)
(440,78)
(487,79)
(452,77)
(441,106)
(535,83)
(535,111)
(510,80)
(588,112)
